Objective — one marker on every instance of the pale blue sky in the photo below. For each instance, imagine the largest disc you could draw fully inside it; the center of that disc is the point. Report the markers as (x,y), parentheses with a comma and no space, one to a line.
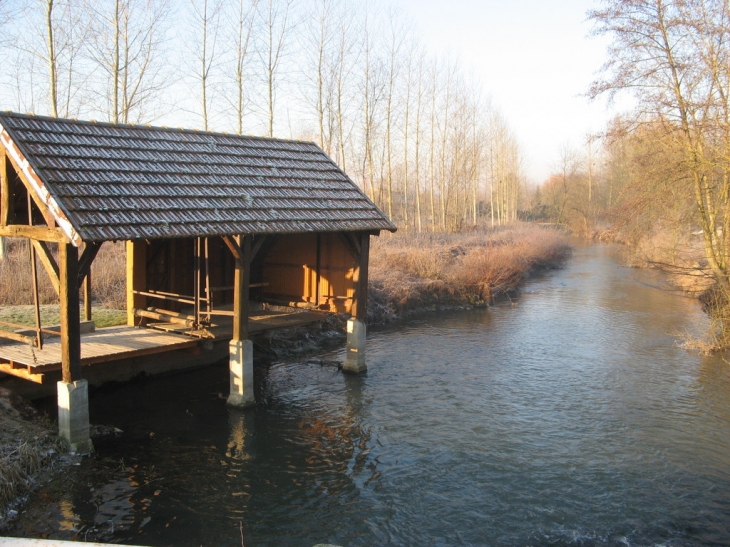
(533,57)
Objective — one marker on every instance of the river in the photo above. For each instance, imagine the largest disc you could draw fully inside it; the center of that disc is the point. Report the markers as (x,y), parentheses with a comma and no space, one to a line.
(567,416)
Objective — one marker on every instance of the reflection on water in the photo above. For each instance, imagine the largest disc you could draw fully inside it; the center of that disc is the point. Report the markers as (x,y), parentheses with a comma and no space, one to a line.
(568,417)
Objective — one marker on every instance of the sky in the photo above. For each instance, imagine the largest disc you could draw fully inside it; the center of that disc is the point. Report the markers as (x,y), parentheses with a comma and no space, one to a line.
(535,59)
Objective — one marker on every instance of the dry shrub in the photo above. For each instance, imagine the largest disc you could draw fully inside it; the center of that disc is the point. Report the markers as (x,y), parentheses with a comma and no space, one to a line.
(410,272)
(107,277)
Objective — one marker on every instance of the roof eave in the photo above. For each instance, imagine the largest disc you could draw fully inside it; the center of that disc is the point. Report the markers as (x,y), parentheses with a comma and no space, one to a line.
(38,187)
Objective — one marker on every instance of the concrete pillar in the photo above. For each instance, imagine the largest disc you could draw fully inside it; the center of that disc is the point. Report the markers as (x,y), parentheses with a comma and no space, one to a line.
(355,358)
(73,415)
(241,368)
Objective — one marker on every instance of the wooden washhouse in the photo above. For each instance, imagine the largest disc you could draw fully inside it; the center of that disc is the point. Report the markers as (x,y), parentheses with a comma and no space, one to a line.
(220,231)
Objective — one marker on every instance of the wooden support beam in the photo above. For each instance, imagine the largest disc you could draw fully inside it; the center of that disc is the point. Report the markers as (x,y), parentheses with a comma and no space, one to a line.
(136,278)
(24,373)
(234,247)
(87,258)
(30,340)
(5,197)
(68,258)
(317,269)
(48,261)
(260,240)
(360,302)
(168,318)
(241,284)
(40,233)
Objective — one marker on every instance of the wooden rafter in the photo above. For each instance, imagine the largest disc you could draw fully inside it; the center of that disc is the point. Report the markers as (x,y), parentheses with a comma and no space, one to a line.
(86,259)
(4,190)
(39,233)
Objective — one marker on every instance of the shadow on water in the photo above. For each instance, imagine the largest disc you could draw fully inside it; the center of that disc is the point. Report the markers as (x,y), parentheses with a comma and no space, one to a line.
(565,417)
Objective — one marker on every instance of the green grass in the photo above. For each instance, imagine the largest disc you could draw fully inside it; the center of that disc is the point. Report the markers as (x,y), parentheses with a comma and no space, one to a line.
(50,315)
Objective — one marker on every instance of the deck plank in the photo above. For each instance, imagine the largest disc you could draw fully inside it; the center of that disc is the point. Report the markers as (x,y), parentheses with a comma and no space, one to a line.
(100,346)
(124,342)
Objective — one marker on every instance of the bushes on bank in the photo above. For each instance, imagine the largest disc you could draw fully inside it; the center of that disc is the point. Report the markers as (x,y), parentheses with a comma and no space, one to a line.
(412,272)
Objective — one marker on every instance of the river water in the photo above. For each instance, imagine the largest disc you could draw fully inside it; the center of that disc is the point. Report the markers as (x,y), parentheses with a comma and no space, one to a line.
(568,416)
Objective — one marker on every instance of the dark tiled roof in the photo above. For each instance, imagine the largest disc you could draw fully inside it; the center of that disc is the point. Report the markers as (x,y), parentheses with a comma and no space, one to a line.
(125,182)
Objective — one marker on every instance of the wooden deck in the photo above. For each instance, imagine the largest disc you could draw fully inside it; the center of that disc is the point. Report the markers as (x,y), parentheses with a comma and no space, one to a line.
(120,343)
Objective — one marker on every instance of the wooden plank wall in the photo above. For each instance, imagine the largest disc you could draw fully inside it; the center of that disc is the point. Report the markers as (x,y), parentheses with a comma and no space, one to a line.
(290,269)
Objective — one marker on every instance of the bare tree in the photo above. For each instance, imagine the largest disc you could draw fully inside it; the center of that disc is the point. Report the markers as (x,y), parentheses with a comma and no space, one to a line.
(276,24)
(127,44)
(49,43)
(243,18)
(205,28)
(672,55)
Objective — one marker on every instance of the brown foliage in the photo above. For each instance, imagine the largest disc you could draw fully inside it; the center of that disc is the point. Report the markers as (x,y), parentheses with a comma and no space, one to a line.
(410,272)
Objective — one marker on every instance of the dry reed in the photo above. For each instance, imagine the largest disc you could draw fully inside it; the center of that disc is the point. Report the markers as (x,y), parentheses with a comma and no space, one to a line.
(107,277)
(413,272)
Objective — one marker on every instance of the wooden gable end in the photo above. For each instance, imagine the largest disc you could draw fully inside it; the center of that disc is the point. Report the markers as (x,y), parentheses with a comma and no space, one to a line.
(27,208)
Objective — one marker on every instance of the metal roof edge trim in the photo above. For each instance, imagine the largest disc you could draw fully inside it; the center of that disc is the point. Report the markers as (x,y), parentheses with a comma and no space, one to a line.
(37,185)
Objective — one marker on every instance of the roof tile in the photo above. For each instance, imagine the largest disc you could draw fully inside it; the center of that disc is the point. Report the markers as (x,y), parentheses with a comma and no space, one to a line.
(127,182)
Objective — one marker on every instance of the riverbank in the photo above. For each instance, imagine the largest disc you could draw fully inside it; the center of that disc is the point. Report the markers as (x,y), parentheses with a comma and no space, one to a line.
(29,451)
(686,270)
(409,273)
(412,273)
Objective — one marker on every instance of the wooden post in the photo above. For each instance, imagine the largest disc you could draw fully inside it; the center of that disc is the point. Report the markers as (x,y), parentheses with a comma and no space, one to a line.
(136,277)
(361,313)
(5,195)
(69,296)
(240,362)
(241,285)
(4,200)
(196,281)
(356,329)
(318,267)
(73,392)
(87,297)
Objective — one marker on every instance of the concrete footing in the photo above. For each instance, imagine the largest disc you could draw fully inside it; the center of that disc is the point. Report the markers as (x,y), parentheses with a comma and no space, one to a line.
(241,370)
(73,415)
(355,358)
